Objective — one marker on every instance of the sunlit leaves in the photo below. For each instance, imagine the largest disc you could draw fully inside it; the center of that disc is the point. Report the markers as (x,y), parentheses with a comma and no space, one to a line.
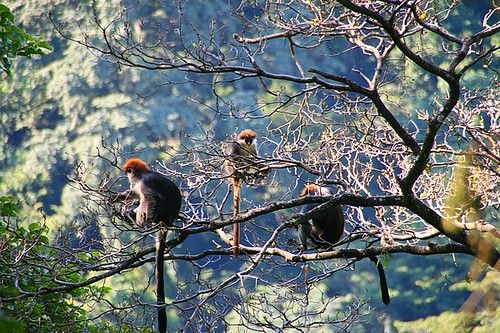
(15,42)
(8,206)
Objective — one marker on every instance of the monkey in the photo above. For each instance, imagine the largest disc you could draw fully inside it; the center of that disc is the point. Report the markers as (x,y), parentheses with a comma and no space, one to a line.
(327,228)
(240,154)
(159,205)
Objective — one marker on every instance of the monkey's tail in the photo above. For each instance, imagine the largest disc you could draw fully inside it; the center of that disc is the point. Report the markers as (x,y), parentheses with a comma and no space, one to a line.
(384,290)
(160,281)
(236,212)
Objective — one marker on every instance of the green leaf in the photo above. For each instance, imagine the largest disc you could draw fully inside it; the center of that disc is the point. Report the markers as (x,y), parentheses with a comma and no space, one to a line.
(45,45)
(6,13)
(44,239)
(34,227)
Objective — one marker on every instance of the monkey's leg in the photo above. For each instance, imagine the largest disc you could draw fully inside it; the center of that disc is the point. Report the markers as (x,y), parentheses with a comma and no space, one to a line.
(160,281)
(384,290)
(236,212)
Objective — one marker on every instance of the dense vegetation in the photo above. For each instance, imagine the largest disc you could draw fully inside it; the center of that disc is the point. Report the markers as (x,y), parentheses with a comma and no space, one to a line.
(170,82)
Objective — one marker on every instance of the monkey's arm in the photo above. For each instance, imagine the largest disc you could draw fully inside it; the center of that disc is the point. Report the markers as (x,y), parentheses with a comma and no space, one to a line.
(304,231)
(232,161)
(129,195)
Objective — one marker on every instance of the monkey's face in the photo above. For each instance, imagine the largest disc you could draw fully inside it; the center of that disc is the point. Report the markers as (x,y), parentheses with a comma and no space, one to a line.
(313,189)
(134,168)
(247,140)
(132,176)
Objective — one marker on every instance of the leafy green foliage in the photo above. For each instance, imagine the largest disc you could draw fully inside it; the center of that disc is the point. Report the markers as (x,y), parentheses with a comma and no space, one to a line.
(8,206)
(15,42)
(21,248)
(30,264)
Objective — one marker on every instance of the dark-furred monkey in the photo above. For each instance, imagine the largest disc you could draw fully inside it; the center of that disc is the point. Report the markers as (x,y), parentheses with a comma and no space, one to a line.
(159,205)
(326,228)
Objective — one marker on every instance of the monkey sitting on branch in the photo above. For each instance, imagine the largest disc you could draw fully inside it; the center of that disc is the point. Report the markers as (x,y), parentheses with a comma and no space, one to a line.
(159,205)
(242,164)
(327,227)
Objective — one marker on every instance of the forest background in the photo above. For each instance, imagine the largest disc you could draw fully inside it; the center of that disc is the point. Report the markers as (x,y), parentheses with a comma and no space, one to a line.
(70,117)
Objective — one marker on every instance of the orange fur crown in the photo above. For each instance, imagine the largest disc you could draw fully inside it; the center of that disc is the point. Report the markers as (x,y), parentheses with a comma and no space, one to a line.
(247,134)
(309,189)
(135,164)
